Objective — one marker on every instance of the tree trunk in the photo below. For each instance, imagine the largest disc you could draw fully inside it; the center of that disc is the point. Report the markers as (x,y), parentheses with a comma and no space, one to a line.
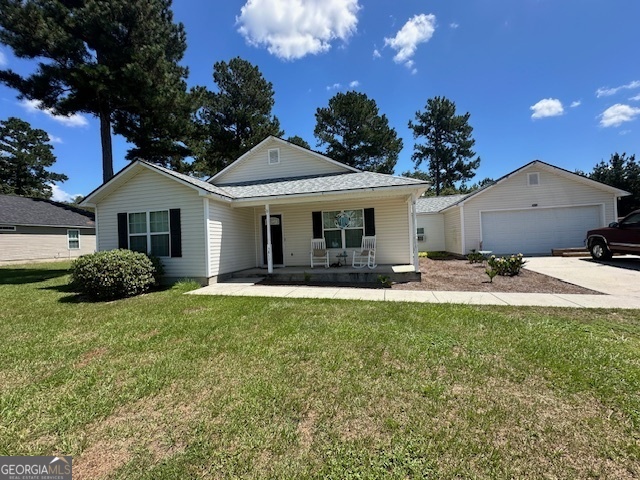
(105,138)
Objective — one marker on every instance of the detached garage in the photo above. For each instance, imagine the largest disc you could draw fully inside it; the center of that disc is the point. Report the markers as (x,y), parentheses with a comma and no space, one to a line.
(534,209)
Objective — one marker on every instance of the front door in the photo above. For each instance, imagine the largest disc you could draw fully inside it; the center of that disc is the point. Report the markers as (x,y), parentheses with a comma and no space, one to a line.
(277,247)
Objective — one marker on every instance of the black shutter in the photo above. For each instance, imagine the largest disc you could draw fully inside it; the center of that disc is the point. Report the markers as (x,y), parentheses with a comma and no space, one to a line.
(123,231)
(369,222)
(317,224)
(175,232)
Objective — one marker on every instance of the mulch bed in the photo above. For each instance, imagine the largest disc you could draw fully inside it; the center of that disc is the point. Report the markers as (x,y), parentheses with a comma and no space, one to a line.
(452,274)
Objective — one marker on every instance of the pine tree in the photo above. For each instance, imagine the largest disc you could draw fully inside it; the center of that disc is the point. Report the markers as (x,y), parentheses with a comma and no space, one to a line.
(115,59)
(448,144)
(621,171)
(356,134)
(235,118)
(25,154)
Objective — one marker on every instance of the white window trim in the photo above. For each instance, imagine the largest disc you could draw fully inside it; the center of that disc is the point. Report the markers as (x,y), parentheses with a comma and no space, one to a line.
(148,233)
(420,236)
(69,239)
(530,175)
(342,230)
(277,150)
(7,228)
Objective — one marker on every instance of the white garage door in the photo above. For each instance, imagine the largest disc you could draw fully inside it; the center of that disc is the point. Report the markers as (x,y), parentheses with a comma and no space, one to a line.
(537,231)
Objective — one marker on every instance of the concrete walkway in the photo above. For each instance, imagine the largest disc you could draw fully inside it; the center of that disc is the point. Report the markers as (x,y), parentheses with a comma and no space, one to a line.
(618,276)
(248,288)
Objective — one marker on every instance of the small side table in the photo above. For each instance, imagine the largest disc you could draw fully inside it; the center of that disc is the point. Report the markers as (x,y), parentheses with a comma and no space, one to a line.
(342,259)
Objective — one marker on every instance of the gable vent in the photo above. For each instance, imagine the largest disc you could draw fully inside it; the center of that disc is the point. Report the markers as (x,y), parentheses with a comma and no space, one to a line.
(274,156)
(533,178)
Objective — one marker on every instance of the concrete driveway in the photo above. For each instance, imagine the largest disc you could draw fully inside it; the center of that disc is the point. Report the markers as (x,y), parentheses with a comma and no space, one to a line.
(619,276)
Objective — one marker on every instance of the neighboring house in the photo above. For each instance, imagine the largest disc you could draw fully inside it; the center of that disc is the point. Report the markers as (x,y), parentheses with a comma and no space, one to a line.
(261,211)
(38,229)
(532,210)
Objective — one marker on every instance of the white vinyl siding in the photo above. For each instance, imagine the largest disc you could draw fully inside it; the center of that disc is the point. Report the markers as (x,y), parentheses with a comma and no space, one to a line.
(391,222)
(231,239)
(152,191)
(293,162)
(537,231)
(433,225)
(44,243)
(452,231)
(554,190)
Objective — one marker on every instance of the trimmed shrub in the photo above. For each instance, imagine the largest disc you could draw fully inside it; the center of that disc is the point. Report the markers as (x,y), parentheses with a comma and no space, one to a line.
(114,274)
(475,257)
(507,266)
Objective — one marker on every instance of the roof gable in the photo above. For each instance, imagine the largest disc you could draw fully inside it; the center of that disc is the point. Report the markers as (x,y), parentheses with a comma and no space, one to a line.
(128,172)
(547,167)
(16,210)
(292,161)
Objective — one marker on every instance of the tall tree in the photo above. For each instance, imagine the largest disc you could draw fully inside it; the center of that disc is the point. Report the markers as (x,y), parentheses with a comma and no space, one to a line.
(621,171)
(235,118)
(301,142)
(115,59)
(25,154)
(448,143)
(356,134)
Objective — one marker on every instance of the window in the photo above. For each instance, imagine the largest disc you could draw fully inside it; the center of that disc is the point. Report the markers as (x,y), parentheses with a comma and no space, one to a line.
(420,232)
(73,239)
(274,156)
(343,228)
(533,179)
(149,232)
(7,228)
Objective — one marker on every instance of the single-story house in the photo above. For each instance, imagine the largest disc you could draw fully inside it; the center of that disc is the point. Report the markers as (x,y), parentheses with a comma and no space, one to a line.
(38,229)
(263,210)
(532,210)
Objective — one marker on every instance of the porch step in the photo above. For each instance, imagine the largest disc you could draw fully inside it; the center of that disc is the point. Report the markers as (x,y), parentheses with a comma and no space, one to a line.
(343,275)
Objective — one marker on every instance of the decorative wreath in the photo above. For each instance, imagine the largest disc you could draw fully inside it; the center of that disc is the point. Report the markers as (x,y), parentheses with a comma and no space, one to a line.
(343,220)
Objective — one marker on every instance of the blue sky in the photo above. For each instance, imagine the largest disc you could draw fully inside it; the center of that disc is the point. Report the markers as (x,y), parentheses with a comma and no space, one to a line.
(555,80)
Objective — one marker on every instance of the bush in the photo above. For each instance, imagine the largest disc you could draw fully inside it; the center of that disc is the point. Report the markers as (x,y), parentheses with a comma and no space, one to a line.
(114,274)
(507,266)
(475,257)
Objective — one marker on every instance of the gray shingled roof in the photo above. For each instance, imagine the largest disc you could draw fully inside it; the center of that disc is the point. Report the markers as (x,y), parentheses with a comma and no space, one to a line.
(193,181)
(315,184)
(437,204)
(36,211)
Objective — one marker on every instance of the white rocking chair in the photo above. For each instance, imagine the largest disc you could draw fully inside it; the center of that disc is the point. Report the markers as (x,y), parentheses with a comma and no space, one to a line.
(366,257)
(319,252)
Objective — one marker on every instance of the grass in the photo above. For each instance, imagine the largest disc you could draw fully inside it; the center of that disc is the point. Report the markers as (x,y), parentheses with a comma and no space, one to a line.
(168,386)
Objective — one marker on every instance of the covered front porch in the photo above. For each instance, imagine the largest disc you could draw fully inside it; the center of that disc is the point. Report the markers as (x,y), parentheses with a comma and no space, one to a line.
(344,275)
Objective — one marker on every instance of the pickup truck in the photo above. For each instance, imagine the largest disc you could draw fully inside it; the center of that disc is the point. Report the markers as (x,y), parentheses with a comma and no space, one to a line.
(618,237)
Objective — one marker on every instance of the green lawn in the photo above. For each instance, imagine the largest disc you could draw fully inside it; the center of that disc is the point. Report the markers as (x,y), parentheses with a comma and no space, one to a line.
(177,386)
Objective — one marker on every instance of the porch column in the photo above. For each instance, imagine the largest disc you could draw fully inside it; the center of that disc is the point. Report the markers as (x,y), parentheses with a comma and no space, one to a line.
(414,221)
(269,249)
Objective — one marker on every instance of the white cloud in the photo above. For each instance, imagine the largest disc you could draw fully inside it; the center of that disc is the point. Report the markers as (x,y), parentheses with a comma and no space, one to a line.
(618,114)
(547,107)
(3,59)
(75,120)
(575,104)
(636,98)
(55,139)
(354,84)
(335,86)
(376,53)
(606,92)
(417,30)
(453,25)
(291,29)
(59,195)
(624,132)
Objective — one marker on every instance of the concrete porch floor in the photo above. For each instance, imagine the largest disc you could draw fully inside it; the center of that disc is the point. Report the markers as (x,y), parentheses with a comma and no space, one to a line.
(341,275)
